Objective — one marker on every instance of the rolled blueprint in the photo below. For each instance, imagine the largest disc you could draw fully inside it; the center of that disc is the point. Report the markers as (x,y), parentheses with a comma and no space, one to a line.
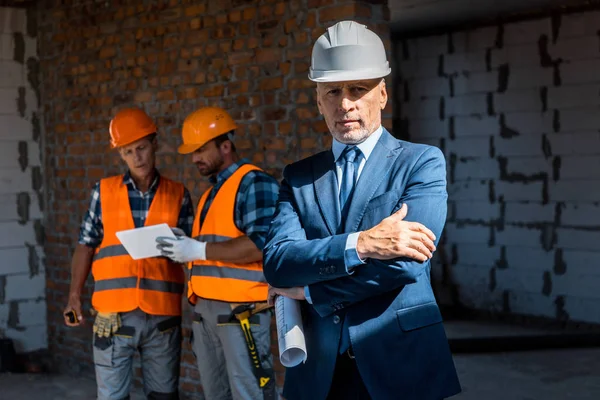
(290,334)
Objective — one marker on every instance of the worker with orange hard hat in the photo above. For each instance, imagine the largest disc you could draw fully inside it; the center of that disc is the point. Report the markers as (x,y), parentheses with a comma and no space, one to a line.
(138,301)
(231,327)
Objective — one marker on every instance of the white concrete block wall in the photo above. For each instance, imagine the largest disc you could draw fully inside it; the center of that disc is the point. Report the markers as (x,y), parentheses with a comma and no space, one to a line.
(463,106)
(476,211)
(22,272)
(475,125)
(517,100)
(518,56)
(469,191)
(478,39)
(516,109)
(469,279)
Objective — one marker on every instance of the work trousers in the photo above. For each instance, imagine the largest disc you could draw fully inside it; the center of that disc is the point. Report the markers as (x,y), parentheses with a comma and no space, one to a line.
(158,339)
(226,372)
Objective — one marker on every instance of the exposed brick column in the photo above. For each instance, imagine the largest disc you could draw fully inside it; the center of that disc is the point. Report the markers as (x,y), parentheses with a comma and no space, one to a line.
(171,57)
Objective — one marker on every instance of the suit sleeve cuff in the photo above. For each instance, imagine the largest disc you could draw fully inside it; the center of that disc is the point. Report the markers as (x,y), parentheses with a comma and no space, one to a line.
(307,294)
(351,257)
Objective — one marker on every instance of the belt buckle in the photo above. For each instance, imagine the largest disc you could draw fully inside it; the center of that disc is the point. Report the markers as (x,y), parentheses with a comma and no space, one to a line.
(350,353)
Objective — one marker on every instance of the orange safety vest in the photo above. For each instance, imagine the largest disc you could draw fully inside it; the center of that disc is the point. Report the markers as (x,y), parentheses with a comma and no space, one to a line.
(154,285)
(216,280)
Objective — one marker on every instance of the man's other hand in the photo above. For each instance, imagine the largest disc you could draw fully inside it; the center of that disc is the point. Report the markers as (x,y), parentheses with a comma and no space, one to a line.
(181,250)
(73,306)
(296,293)
(393,237)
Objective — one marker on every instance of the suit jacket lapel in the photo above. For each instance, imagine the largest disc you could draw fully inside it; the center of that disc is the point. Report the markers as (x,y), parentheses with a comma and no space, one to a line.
(376,169)
(326,189)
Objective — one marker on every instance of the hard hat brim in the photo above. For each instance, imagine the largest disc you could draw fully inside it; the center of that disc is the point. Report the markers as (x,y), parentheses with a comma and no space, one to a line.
(344,76)
(188,148)
(132,139)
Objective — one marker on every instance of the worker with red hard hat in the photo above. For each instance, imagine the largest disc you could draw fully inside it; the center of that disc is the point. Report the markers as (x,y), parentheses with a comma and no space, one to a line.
(138,302)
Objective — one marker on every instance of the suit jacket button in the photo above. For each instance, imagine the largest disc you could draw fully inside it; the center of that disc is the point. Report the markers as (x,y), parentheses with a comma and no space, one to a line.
(336,319)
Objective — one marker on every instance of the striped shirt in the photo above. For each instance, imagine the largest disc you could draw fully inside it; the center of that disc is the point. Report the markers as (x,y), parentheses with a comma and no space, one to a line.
(91,231)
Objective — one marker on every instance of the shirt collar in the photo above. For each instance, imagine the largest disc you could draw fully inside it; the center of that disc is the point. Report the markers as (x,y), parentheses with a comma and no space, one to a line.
(227,172)
(366,147)
(128,180)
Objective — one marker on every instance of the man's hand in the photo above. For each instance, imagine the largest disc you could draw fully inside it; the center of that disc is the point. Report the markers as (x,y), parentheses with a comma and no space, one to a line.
(181,250)
(393,237)
(74,305)
(296,293)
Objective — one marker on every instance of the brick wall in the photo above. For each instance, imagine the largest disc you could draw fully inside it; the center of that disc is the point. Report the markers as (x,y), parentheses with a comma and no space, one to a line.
(171,57)
(515,108)
(22,271)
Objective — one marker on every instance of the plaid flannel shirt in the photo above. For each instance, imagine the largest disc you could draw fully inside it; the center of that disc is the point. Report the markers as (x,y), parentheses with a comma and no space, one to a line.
(254,203)
(91,231)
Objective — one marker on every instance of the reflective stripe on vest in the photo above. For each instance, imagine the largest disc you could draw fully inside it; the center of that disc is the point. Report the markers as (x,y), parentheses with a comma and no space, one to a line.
(122,284)
(110,251)
(212,238)
(217,280)
(145,284)
(228,272)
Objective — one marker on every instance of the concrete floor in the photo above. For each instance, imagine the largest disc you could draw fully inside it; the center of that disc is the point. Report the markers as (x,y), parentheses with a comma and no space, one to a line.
(539,375)
(558,374)
(48,387)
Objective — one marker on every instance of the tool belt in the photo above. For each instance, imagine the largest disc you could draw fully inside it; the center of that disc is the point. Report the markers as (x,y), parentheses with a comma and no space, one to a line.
(244,315)
(242,311)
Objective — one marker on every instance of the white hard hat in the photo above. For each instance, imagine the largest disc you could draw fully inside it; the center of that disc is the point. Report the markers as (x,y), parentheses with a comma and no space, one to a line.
(348,51)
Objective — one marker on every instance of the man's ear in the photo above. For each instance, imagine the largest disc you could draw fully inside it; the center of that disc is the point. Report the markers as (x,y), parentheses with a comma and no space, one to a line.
(318,99)
(225,147)
(383,94)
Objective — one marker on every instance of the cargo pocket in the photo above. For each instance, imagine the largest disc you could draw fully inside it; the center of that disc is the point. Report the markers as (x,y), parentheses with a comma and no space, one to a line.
(103,351)
(417,317)
(127,332)
(169,334)
(169,324)
(196,321)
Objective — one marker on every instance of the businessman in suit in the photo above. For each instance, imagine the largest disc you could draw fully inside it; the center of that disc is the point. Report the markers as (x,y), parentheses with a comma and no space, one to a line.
(352,238)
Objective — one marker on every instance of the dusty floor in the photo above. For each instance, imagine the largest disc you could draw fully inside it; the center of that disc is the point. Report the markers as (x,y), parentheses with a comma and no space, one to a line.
(539,375)
(568,374)
(48,387)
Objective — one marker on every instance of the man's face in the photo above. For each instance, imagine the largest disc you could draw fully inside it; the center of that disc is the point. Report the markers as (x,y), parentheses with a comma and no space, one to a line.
(208,159)
(352,109)
(140,156)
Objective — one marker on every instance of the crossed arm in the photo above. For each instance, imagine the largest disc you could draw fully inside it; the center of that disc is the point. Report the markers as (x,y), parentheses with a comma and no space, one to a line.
(392,247)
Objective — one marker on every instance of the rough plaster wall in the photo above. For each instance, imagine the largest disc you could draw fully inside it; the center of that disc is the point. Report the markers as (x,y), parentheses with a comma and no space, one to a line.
(22,272)
(515,108)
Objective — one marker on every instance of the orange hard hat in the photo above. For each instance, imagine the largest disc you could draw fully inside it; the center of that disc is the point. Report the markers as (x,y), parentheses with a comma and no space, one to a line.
(129,125)
(202,126)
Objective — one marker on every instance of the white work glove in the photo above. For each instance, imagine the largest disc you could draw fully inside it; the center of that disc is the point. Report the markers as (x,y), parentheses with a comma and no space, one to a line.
(182,249)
